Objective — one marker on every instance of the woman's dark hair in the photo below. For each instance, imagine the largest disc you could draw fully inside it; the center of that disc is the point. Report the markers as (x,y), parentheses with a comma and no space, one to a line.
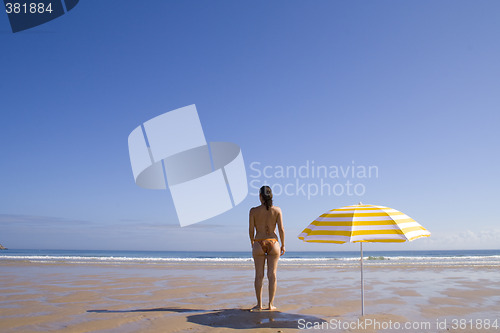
(267,196)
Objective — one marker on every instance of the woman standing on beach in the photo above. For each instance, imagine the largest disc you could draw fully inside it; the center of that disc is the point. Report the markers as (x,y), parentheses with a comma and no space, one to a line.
(263,222)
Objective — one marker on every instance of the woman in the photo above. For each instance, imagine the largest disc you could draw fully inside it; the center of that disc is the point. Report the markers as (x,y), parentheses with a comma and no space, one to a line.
(263,222)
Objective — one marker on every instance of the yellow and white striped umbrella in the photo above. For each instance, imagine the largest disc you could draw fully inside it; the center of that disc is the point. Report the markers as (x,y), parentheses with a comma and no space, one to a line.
(363,223)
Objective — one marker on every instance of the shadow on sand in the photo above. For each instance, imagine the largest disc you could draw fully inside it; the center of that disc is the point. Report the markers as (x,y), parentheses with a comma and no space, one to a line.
(242,319)
(232,318)
(147,310)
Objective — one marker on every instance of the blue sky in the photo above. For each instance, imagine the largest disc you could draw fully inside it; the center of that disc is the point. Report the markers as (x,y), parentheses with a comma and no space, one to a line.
(409,87)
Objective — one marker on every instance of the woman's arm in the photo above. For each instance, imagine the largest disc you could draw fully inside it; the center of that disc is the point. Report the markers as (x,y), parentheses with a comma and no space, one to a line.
(281,231)
(251,227)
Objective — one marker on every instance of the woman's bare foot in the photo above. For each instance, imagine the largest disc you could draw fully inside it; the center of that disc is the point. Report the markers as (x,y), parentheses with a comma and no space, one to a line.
(271,307)
(256,308)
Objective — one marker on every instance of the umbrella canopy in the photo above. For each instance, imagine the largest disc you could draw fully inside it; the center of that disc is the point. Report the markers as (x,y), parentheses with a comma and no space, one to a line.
(363,223)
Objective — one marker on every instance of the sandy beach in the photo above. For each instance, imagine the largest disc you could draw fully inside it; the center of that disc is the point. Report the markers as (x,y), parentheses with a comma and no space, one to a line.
(208,297)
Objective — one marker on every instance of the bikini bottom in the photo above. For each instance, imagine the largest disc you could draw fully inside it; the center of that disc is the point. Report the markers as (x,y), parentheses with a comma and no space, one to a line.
(267,244)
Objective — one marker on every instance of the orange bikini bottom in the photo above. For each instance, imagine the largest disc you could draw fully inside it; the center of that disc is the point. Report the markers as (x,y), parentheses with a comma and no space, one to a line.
(267,244)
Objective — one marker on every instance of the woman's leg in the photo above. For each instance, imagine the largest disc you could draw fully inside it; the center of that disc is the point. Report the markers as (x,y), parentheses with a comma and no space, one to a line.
(272,266)
(259,259)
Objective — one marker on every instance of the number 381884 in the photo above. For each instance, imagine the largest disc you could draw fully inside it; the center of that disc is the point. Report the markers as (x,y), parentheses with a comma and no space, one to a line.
(28,8)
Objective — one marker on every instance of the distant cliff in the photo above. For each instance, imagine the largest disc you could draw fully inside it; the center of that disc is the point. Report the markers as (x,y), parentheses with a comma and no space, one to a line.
(2,248)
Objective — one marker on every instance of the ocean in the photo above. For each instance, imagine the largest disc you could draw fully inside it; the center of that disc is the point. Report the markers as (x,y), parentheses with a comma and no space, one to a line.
(331,258)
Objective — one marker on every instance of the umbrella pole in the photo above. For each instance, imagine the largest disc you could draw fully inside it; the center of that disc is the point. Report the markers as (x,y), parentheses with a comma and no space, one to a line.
(362,284)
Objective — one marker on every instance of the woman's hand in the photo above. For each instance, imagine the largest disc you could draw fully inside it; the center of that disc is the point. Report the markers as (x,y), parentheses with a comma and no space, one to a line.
(282,250)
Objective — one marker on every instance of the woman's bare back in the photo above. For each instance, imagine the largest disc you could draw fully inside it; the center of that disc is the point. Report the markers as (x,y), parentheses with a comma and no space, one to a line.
(265,221)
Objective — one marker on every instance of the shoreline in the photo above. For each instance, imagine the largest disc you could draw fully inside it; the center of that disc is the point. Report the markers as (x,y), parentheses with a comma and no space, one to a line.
(284,262)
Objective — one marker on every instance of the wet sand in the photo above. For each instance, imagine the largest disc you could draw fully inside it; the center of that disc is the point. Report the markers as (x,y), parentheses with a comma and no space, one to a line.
(69,297)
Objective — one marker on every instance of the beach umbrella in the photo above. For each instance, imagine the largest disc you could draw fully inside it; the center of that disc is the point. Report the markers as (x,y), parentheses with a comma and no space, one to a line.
(363,223)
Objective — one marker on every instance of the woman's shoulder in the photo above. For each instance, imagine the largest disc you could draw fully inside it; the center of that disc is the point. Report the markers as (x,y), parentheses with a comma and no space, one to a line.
(276,209)
(253,209)
(273,208)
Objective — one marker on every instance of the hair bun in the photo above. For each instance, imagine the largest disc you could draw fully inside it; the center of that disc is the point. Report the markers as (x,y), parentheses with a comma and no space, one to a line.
(267,196)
